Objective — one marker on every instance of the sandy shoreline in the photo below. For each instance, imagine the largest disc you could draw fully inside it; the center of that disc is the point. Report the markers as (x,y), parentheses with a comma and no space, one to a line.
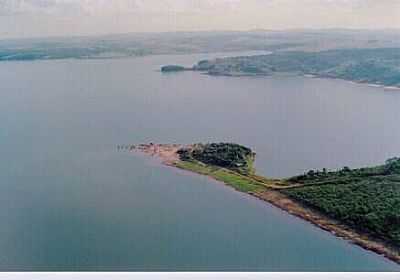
(167,153)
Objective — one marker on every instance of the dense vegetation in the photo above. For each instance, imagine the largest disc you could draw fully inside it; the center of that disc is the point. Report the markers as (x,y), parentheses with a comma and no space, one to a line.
(227,155)
(377,66)
(366,198)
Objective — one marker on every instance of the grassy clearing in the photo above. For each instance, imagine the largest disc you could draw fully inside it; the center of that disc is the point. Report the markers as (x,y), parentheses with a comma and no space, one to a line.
(239,182)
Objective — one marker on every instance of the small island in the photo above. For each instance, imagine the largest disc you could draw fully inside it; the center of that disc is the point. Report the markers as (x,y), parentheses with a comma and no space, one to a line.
(360,205)
(174,68)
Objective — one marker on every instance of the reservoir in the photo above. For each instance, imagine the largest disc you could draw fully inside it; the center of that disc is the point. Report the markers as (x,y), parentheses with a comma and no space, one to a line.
(69,200)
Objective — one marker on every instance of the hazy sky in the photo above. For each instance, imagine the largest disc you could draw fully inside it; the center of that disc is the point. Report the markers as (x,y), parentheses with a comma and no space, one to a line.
(33,18)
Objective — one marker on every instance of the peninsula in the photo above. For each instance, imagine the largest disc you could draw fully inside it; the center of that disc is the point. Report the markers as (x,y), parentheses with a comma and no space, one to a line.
(379,66)
(360,205)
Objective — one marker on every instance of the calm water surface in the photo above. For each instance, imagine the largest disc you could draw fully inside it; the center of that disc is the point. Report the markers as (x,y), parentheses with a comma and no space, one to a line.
(70,201)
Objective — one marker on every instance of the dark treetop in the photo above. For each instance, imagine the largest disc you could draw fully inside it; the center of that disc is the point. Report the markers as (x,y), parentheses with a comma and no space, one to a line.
(228,155)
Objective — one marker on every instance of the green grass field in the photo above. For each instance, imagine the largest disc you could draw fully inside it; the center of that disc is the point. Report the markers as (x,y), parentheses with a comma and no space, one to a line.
(239,182)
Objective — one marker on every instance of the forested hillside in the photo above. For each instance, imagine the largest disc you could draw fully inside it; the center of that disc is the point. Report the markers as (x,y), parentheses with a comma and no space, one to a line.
(365,198)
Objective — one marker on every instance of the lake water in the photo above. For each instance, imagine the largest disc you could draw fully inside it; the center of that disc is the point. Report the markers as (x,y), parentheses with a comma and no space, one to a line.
(70,201)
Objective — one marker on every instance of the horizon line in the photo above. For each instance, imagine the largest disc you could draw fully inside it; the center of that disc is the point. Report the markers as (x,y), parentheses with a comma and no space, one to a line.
(328,29)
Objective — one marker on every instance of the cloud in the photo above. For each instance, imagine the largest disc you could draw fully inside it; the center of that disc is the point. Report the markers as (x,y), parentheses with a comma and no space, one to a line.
(18,7)
(76,17)
(102,7)
(109,7)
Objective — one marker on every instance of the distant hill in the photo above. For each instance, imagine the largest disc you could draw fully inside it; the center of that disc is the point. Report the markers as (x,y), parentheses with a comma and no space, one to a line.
(140,44)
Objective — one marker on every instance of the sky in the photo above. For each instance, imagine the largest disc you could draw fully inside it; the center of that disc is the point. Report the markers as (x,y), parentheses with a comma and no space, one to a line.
(46,18)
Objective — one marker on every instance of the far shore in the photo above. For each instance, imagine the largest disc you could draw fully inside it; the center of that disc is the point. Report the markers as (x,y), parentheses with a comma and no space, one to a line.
(312,76)
(270,193)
